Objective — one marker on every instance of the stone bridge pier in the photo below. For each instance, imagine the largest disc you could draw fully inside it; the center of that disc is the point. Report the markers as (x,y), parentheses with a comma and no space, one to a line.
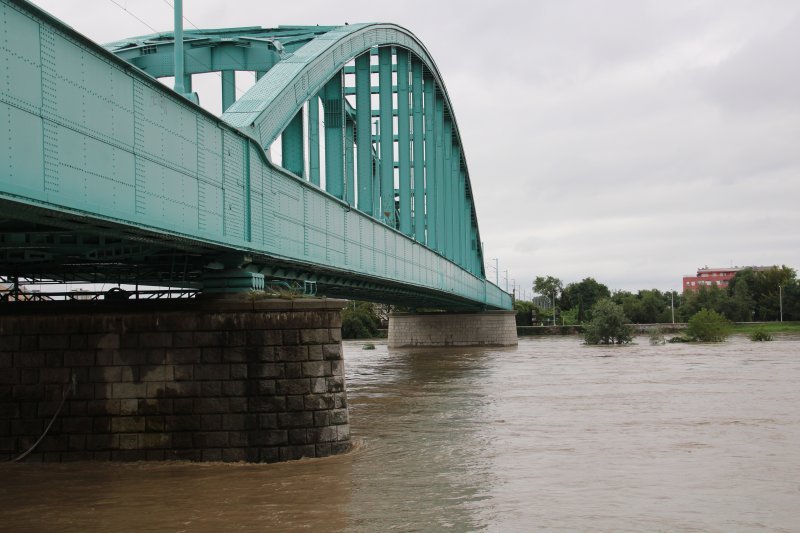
(487,328)
(202,380)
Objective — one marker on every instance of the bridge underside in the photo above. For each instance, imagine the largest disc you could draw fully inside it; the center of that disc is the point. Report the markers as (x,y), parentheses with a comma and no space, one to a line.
(36,243)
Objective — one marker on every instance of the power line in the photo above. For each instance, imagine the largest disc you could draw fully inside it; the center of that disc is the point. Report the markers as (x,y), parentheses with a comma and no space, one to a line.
(132,14)
(171,6)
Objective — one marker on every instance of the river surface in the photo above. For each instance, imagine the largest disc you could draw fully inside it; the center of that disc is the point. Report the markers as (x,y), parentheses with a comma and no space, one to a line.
(551,435)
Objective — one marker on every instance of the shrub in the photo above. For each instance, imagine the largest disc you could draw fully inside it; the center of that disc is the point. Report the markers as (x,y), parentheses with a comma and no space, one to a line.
(760,335)
(708,326)
(359,321)
(609,325)
(679,339)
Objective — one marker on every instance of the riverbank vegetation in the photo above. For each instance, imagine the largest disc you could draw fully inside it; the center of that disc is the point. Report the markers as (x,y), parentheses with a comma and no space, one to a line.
(608,325)
(752,296)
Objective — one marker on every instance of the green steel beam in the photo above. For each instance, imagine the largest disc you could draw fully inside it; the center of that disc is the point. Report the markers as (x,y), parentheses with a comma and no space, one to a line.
(466,249)
(334,136)
(448,192)
(349,162)
(228,88)
(439,177)
(364,135)
(404,140)
(292,145)
(313,140)
(418,138)
(429,96)
(387,212)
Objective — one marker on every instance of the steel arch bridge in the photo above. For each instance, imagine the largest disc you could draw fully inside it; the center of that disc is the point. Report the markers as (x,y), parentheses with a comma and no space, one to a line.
(342,165)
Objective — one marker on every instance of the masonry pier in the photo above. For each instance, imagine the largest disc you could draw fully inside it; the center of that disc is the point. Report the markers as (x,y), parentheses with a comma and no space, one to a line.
(201,380)
(487,328)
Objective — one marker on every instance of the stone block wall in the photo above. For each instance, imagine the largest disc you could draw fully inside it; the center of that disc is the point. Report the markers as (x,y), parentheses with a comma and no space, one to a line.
(142,380)
(488,328)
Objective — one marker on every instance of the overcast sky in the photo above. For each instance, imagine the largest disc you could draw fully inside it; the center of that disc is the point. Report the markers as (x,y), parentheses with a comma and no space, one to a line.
(630,141)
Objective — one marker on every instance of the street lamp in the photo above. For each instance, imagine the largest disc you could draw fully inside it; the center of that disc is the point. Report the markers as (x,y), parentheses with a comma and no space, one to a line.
(780,300)
(672,304)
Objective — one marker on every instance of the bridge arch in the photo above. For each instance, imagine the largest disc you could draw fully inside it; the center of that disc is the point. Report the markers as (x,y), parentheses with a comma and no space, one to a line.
(411,173)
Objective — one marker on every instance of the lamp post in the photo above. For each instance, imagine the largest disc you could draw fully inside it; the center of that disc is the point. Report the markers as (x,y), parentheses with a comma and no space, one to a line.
(506,278)
(780,300)
(496,272)
(672,304)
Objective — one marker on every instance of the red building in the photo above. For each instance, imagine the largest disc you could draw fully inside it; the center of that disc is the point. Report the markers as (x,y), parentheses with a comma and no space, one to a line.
(713,276)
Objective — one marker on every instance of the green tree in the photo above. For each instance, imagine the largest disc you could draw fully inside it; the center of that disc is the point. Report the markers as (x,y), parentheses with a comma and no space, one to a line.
(360,320)
(548,286)
(582,296)
(708,326)
(609,325)
(708,297)
(763,287)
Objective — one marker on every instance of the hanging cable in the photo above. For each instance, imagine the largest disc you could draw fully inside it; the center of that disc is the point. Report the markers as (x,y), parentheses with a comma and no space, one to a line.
(71,388)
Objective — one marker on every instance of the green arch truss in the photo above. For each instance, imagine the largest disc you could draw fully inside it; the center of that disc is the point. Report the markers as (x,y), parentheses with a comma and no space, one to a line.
(343,164)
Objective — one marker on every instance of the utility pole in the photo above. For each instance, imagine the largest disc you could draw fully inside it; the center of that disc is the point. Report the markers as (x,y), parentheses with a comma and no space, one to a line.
(506,277)
(780,300)
(496,272)
(672,304)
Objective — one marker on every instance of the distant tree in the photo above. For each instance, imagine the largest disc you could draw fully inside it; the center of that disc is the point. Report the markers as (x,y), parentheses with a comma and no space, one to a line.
(791,301)
(646,307)
(708,326)
(582,296)
(548,286)
(708,297)
(763,285)
(360,320)
(609,325)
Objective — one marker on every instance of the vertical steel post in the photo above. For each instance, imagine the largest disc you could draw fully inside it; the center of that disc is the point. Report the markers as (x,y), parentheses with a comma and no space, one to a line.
(313,140)
(417,144)
(292,145)
(387,134)
(465,219)
(404,140)
(228,88)
(447,189)
(334,136)
(178,41)
(430,160)
(440,175)
(349,162)
(364,133)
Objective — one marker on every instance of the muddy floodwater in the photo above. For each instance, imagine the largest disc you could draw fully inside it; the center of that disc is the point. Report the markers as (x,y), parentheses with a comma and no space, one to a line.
(551,435)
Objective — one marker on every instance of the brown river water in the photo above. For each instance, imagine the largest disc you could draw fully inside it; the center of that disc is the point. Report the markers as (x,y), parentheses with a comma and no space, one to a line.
(551,435)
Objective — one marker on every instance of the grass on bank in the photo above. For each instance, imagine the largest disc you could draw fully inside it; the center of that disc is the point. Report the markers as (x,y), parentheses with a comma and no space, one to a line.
(768,327)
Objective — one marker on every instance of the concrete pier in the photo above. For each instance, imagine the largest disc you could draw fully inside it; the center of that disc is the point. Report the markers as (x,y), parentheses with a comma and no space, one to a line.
(488,328)
(215,380)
